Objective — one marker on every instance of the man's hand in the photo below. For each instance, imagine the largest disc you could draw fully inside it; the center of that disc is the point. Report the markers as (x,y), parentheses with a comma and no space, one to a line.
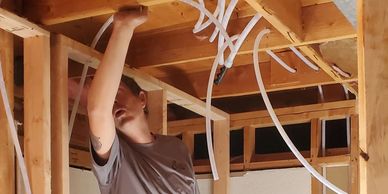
(131,18)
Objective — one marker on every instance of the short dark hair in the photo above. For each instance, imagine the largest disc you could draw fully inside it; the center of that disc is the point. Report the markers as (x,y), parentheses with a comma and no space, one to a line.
(133,87)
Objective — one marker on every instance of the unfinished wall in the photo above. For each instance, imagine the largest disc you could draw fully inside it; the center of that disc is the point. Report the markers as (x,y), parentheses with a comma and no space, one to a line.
(338,176)
(295,180)
(280,181)
(83,182)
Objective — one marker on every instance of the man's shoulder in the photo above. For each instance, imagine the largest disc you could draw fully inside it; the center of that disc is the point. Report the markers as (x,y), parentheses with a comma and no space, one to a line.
(169,138)
(171,141)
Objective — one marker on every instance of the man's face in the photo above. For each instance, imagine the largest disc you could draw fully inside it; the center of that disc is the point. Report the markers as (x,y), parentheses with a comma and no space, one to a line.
(127,107)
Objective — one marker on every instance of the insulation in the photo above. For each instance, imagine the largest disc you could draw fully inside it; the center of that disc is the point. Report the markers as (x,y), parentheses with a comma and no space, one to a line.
(348,8)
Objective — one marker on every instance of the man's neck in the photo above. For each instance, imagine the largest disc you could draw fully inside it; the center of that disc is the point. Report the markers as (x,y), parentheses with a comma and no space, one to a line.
(138,131)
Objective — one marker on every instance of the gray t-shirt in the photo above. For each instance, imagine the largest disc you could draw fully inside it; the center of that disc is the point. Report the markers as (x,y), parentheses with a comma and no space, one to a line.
(163,166)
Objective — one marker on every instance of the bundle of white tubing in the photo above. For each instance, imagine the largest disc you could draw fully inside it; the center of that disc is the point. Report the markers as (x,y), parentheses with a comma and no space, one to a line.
(14,135)
(223,18)
(277,122)
(221,28)
(229,43)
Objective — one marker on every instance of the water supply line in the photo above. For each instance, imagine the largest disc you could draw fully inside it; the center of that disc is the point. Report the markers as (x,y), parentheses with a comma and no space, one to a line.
(304,59)
(277,122)
(281,62)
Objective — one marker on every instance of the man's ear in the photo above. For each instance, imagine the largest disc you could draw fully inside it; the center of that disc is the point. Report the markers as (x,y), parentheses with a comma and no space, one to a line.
(143,98)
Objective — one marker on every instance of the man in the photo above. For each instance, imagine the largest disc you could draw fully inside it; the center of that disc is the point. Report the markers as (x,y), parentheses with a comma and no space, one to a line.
(127,158)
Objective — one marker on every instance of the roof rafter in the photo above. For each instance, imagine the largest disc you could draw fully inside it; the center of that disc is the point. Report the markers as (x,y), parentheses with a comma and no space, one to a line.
(181,46)
(240,80)
(288,24)
(50,12)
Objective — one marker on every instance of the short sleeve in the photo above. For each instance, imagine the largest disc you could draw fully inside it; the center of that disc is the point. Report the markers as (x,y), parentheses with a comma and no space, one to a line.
(106,173)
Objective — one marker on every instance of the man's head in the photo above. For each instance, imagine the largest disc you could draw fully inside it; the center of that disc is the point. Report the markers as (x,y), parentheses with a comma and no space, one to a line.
(130,103)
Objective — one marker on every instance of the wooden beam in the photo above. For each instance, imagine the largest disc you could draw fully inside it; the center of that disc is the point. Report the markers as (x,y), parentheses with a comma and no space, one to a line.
(297,114)
(285,16)
(188,140)
(323,22)
(354,155)
(80,158)
(157,111)
(153,2)
(314,2)
(59,117)
(316,138)
(339,160)
(37,112)
(275,164)
(52,12)
(7,155)
(20,26)
(249,145)
(221,154)
(85,55)
(241,80)
(317,59)
(14,6)
(273,11)
(373,107)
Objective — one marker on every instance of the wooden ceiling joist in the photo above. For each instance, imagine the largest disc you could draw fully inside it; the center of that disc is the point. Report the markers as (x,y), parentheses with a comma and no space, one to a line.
(85,55)
(322,23)
(289,23)
(20,26)
(240,80)
(49,12)
(53,11)
(290,115)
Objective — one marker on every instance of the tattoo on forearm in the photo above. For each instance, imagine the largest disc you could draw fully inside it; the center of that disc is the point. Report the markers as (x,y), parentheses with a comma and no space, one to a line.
(96,143)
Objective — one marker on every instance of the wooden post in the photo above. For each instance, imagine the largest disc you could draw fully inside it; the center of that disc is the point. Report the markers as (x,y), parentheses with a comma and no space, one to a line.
(221,153)
(188,140)
(157,111)
(354,153)
(59,117)
(316,138)
(37,146)
(373,89)
(249,145)
(7,155)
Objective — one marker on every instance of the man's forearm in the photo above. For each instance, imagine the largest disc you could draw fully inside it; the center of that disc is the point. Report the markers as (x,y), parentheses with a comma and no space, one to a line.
(106,81)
